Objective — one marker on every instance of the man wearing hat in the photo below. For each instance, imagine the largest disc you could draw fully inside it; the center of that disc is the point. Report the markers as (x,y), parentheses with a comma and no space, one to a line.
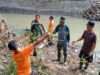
(63,38)
(88,47)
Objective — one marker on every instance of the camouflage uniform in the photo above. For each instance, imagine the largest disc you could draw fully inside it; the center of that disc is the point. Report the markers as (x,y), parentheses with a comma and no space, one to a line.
(37,31)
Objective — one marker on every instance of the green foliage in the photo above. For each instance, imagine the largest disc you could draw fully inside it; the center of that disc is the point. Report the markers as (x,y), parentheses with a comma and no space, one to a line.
(12,68)
(52,74)
(41,66)
(84,61)
(43,72)
(43,63)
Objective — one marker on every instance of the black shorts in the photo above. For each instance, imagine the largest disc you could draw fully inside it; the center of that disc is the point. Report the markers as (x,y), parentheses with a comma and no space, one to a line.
(86,56)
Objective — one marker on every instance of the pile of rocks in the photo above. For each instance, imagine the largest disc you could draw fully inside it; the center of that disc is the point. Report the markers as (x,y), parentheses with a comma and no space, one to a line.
(93,13)
(5,35)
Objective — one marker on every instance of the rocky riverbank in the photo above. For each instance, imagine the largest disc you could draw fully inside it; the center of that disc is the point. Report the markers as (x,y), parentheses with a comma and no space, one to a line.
(5,34)
(45,63)
(92,13)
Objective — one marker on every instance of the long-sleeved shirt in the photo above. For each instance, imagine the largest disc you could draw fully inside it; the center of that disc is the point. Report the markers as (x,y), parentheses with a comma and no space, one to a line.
(63,34)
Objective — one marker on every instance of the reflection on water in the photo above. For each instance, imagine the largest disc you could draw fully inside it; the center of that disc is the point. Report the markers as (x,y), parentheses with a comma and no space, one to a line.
(19,22)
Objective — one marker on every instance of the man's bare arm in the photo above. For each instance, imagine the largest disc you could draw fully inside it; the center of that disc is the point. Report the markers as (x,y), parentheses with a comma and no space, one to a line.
(41,39)
(81,38)
(42,27)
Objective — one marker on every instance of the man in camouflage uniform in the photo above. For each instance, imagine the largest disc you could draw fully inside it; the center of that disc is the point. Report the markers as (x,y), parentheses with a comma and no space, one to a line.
(37,30)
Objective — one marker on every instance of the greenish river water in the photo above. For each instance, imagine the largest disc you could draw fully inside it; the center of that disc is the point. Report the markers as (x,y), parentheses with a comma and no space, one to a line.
(19,22)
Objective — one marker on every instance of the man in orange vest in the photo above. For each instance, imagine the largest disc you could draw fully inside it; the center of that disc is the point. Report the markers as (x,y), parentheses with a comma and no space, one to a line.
(22,57)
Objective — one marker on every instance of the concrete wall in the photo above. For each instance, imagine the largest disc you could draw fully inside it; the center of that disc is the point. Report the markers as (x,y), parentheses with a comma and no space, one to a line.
(64,7)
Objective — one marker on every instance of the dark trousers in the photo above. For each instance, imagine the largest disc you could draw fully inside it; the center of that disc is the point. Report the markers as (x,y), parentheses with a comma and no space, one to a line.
(35,51)
(33,38)
(60,47)
(86,56)
(50,41)
(88,59)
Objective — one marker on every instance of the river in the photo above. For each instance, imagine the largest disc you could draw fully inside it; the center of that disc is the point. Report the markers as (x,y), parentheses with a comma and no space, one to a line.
(19,22)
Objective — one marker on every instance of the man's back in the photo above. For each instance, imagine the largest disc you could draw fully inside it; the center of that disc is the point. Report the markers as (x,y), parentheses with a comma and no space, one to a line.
(23,61)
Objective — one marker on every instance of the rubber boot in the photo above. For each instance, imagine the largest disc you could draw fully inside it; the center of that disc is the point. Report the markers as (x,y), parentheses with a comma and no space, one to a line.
(80,67)
(65,58)
(59,56)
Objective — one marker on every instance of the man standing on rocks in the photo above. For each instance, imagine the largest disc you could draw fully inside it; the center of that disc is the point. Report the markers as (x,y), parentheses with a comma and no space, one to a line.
(37,30)
(63,38)
(89,45)
(22,57)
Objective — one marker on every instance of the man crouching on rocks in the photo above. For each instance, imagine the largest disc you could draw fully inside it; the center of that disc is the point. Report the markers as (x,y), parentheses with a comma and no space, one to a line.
(88,47)
(22,57)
